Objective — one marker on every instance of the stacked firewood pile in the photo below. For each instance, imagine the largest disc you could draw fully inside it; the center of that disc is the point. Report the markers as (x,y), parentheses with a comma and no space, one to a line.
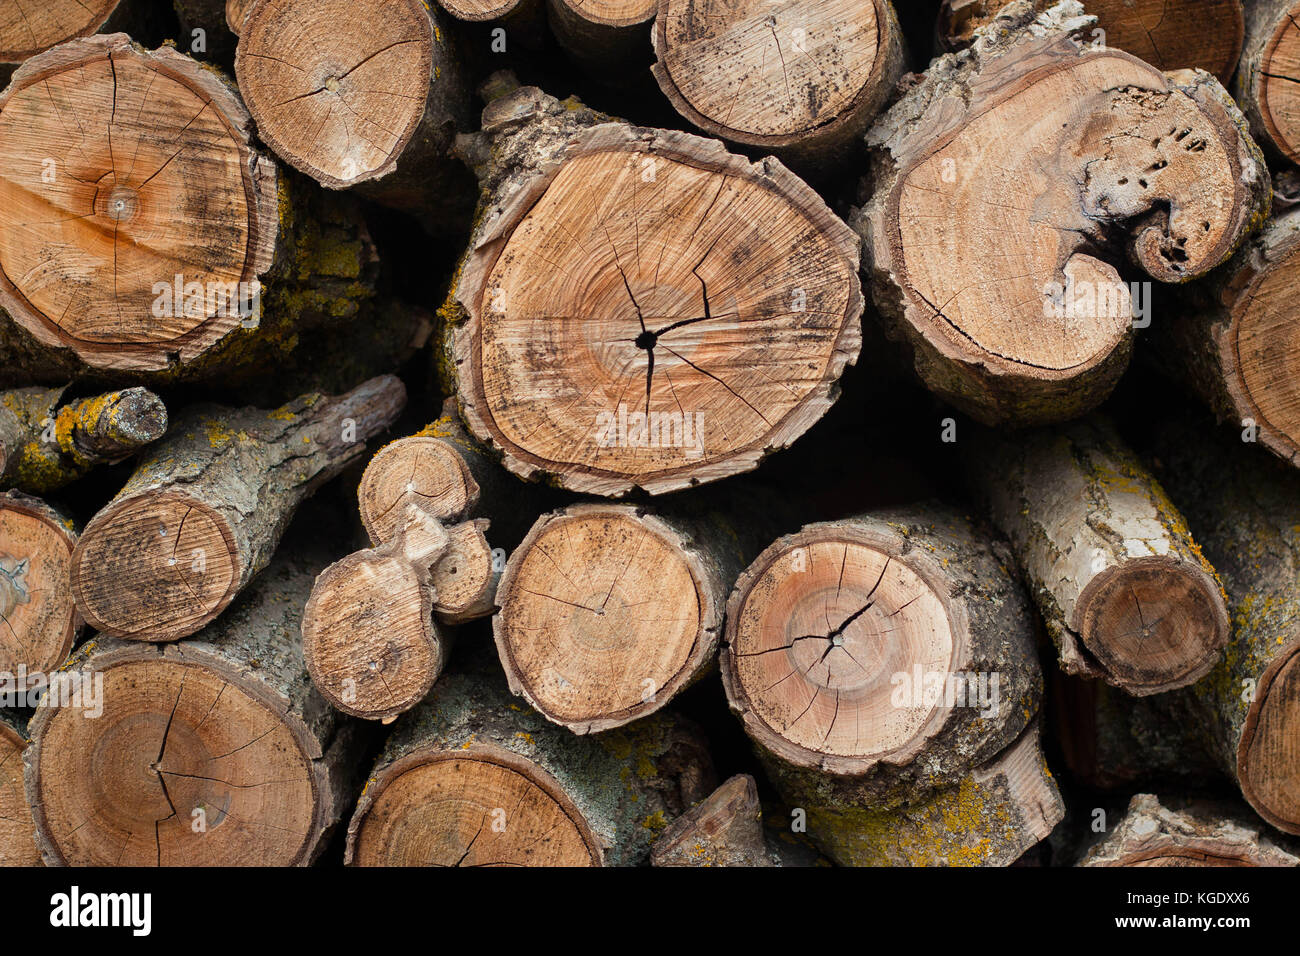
(397,407)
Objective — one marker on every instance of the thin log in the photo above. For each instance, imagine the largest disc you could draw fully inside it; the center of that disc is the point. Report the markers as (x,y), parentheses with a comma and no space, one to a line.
(206,508)
(997,291)
(604,37)
(1125,592)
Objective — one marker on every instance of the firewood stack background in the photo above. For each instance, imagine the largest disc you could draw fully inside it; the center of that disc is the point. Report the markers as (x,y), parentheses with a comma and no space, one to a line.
(620,432)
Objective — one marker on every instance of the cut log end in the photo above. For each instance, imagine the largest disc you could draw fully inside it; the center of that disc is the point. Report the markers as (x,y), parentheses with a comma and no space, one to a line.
(17,835)
(182,740)
(478,11)
(478,807)
(604,616)
(464,576)
(155,567)
(1153,623)
(425,467)
(28,30)
(821,625)
(338,87)
(608,13)
(726,829)
(774,75)
(1268,755)
(132,213)
(1266,82)
(40,621)
(691,325)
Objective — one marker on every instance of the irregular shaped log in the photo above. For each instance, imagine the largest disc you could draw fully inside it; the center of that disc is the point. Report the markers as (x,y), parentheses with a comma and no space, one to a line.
(45,444)
(1235,343)
(696,310)
(17,831)
(996,289)
(608,611)
(1195,834)
(369,638)
(876,658)
(40,621)
(363,93)
(1266,85)
(470,778)
(604,37)
(1243,508)
(1168,34)
(1125,592)
(213,752)
(206,508)
(725,829)
(133,256)
(992,817)
(802,80)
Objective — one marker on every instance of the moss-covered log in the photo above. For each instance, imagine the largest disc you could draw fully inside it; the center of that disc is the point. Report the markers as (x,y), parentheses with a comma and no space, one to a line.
(471,778)
(1125,592)
(205,509)
(46,443)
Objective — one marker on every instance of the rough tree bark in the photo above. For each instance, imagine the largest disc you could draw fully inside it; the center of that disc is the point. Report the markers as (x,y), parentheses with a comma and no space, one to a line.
(639,308)
(1235,343)
(1243,509)
(132,258)
(604,37)
(364,93)
(45,444)
(1266,85)
(1123,588)
(40,621)
(801,80)
(1194,834)
(470,778)
(982,232)
(1169,34)
(725,829)
(17,831)
(608,611)
(877,660)
(206,508)
(216,751)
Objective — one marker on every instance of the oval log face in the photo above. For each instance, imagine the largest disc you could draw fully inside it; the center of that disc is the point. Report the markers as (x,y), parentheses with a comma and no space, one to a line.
(17,843)
(35,601)
(181,767)
(1279,91)
(337,86)
(27,29)
(472,809)
(611,13)
(601,616)
(827,634)
(1268,757)
(766,70)
(656,319)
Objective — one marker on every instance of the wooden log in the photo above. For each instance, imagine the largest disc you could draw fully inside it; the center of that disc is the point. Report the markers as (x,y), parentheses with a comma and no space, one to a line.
(608,611)
(724,829)
(1264,85)
(1125,592)
(367,94)
(1195,833)
(17,831)
(206,508)
(604,37)
(800,80)
(45,443)
(1168,34)
(216,751)
(1233,343)
(875,658)
(185,262)
(369,637)
(27,30)
(696,310)
(525,19)
(470,778)
(997,289)
(1242,506)
(41,622)
(992,817)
